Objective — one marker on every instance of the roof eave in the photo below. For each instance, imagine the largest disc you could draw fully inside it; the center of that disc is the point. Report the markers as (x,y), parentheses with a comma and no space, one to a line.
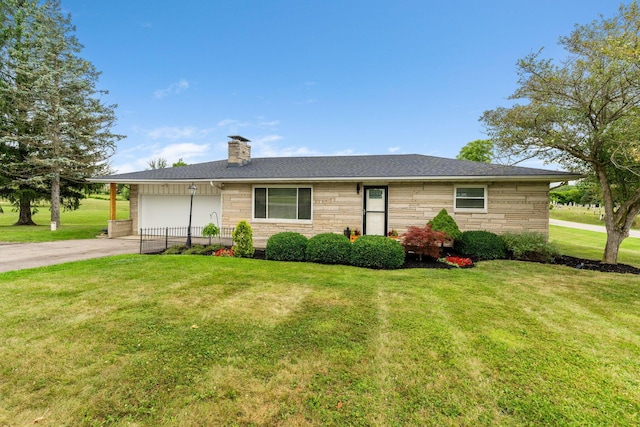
(538,178)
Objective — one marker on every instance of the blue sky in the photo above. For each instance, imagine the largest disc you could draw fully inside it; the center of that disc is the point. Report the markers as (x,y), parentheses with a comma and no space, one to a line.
(307,77)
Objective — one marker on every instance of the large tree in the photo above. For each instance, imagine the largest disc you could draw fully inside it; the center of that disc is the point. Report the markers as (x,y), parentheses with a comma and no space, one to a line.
(480,150)
(16,126)
(62,132)
(584,114)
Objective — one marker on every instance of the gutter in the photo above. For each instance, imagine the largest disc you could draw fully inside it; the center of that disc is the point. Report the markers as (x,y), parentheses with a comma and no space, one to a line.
(500,178)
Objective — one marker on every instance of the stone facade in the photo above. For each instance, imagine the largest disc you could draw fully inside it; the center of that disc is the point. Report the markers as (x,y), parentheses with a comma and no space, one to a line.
(239,152)
(335,206)
(511,207)
(133,207)
(119,228)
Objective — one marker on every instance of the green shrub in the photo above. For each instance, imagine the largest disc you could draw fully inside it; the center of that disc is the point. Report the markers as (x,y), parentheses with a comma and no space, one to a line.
(210,249)
(210,230)
(481,245)
(243,239)
(445,223)
(194,250)
(377,252)
(286,246)
(529,246)
(328,248)
(175,250)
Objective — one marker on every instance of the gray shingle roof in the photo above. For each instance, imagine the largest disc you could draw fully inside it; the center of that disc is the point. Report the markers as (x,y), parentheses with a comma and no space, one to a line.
(384,167)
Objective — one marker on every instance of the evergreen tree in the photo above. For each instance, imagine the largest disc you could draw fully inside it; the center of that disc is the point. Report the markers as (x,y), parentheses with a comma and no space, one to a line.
(58,129)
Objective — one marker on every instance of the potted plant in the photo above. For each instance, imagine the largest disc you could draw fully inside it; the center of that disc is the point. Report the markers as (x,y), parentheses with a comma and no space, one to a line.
(354,235)
(393,234)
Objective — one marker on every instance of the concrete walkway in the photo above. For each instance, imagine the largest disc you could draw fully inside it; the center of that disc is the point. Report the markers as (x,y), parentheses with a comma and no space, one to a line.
(589,227)
(17,256)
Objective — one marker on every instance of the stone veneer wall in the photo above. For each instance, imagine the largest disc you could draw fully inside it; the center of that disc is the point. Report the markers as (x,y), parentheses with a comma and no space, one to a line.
(133,207)
(511,206)
(119,228)
(335,207)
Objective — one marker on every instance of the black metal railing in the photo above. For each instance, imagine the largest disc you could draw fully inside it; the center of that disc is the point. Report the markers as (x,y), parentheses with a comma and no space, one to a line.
(159,239)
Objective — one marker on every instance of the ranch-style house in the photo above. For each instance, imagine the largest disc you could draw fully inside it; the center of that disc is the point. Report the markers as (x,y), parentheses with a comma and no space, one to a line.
(312,195)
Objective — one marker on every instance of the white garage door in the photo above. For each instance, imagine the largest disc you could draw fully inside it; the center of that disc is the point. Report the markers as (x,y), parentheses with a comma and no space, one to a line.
(173,211)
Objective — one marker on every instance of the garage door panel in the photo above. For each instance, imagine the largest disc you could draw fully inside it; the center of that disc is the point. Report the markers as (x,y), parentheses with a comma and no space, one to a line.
(173,211)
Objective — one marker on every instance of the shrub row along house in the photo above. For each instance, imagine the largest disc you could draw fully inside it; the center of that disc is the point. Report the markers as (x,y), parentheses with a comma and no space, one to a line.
(313,195)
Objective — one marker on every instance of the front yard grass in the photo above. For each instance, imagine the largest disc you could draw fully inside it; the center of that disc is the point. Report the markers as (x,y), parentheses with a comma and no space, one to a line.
(83,223)
(590,244)
(191,341)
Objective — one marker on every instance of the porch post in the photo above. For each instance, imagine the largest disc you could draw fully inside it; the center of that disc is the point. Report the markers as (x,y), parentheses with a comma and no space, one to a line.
(112,201)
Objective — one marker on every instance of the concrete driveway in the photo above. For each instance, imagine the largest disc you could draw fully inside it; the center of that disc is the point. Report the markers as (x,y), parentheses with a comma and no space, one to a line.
(17,256)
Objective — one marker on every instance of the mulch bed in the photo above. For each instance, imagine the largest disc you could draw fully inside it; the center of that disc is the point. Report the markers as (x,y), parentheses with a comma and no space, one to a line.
(413,261)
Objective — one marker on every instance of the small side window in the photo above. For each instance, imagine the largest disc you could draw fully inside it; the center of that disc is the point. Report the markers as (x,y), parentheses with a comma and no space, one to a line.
(470,198)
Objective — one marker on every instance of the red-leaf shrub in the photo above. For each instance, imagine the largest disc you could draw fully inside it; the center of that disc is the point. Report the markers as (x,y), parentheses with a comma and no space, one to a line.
(460,262)
(424,241)
(224,252)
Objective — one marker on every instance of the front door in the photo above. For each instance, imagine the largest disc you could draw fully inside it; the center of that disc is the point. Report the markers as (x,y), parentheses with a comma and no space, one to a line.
(375,211)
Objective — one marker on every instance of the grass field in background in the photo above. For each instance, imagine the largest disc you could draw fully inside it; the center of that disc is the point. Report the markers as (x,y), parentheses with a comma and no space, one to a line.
(193,340)
(581,214)
(590,244)
(83,223)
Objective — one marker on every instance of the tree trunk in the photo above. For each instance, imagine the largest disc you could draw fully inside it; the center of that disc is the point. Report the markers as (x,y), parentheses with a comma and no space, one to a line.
(614,239)
(25,212)
(55,199)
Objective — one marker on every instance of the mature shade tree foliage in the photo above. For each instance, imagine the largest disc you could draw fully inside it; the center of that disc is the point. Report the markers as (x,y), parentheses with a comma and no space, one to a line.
(56,129)
(480,150)
(158,163)
(584,113)
(179,163)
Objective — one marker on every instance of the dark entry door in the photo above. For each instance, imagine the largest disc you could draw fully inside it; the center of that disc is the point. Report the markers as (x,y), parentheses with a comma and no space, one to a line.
(375,210)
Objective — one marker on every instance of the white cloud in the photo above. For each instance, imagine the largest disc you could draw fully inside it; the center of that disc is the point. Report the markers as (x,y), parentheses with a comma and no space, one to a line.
(173,89)
(174,132)
(232,125)
(187,151)
(266,147)
(394,149)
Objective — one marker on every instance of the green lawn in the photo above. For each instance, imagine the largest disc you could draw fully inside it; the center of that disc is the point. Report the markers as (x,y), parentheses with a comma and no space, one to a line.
(590,244)
(581,214)
(84,223)
(192,341)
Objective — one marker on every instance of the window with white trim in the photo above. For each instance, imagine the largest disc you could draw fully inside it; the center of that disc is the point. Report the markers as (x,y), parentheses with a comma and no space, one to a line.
(289,203)
(471,198)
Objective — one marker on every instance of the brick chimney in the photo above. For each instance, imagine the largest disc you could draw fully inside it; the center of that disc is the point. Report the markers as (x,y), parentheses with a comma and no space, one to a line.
(239,151)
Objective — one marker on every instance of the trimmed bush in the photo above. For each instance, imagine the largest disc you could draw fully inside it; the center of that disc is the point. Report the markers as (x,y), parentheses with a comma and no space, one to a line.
(175,250)
(243,238)
(286,246)
(481,245)
(377,252)
(328,248)
(445,223)
(210,250)
(529,246)
(194,250)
